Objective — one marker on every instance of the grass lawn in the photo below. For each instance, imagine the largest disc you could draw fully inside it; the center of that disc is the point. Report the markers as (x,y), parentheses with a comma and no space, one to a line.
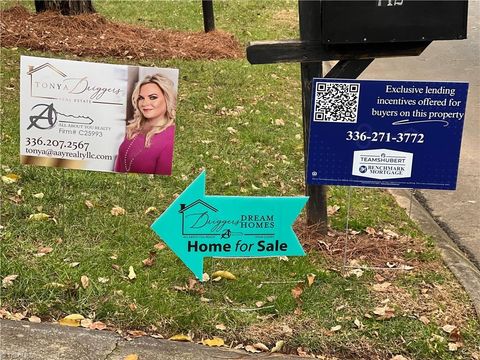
(261,157)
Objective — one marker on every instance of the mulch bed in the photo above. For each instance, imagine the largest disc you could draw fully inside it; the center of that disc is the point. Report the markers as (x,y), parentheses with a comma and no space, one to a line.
(93,35)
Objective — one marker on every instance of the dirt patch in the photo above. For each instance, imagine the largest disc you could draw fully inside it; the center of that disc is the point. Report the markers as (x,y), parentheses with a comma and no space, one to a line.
(93,35)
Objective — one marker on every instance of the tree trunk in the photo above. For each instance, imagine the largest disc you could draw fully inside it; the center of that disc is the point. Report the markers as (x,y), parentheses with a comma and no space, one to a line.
(66,7)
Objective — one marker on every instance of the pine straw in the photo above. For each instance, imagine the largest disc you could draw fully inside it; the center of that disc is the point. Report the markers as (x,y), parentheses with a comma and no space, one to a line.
(377,248)
(93,35)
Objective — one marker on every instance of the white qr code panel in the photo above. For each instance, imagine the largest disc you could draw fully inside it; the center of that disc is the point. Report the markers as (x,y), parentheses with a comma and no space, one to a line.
(336,102)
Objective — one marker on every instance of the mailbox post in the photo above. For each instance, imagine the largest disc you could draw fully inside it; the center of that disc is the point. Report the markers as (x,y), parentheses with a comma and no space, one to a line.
(355,33)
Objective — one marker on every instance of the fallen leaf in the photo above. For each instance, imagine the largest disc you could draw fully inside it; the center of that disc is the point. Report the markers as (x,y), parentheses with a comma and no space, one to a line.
(73,320)
(335,328)
(370,231)
(131,273)
(85,281)
(271,298)
(310,279)
(180,337)
(384,312)
(74,264)
(38,195)
(205,277)
(148,262)
(131,357)
(39,217)
(89,204)
(301,352)
(448,328)
(259,304)
(454,346)
(159,246)
(98,325)
(358,323)
(34,319)
(357,272)
(381,287)
(424,320)
(297,291)
(132,306)
(10,178)
(45,250)
(261,346)
(86,323)
(251,349)
(332,209)
(399,357)
(231,130)
(117,211)
(279,122)
(8,280)
(213,342)
(224,275)
(150,209)
(103,280)
(136,333)
(221,327)
(204,299)
(278,346)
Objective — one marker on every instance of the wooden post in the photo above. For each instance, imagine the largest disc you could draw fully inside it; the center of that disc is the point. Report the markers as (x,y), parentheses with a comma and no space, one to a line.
(208,17)
(309,15)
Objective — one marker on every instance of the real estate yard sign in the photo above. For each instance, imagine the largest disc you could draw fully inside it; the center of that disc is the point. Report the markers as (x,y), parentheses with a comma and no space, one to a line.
(73,114)
(399,134)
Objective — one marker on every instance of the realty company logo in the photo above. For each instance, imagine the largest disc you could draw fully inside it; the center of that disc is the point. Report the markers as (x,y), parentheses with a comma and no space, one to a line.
(382,164)
(45,117)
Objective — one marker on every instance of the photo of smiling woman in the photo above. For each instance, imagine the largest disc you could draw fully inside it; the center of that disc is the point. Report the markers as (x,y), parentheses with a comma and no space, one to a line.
(148,144)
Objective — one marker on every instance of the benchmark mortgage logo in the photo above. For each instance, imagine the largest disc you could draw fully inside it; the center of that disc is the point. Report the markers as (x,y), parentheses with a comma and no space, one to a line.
(382,164)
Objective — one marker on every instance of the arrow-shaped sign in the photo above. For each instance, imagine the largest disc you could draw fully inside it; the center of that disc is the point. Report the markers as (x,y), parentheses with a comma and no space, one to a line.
(196,226)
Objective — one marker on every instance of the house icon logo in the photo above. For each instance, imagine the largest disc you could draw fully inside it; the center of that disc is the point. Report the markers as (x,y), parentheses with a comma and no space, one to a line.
(45,81)
(196,217)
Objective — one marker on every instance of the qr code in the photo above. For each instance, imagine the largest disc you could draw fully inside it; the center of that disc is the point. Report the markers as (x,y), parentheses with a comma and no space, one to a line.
(336,102)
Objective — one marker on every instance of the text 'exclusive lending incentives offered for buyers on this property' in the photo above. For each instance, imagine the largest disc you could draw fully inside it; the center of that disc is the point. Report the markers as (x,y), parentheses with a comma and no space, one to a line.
(398,134)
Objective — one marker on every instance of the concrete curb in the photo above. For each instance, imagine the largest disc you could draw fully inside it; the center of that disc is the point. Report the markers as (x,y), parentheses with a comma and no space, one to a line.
(459,264)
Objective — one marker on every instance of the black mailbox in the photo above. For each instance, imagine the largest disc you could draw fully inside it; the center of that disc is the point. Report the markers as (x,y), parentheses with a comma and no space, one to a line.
(386,21)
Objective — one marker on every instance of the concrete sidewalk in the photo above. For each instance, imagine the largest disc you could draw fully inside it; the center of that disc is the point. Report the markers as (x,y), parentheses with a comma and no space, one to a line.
(21,340)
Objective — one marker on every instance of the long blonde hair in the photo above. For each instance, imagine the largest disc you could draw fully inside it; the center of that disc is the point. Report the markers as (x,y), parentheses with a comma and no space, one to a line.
(135,125)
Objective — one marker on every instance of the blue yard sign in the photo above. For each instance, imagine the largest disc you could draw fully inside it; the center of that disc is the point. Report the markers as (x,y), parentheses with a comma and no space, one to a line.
(196,226)
(399,134)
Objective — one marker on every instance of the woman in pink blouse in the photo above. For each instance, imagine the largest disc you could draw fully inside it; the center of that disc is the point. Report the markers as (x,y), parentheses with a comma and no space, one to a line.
(148,144)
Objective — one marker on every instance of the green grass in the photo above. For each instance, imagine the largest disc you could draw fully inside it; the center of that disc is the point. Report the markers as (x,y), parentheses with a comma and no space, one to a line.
(213,96)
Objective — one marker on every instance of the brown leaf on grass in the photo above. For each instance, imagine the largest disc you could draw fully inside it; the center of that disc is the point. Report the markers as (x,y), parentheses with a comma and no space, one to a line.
(381,287)
(8,280)
(259,304)
(301,352)
(335,328)
(220,327)
(370,231)
(424,320)
(448,328)
(297,291)
(332,209)
(85,281)
(399,357)
(150,210)
(454,346)
(17,199)
(159,246)
(216,341)
(86,323)
(117,211)
(384,312)
(311,279)
(89,204)
(261,346)
(151,259)
(455,335)
(132,306)
(103,280)
(358,323)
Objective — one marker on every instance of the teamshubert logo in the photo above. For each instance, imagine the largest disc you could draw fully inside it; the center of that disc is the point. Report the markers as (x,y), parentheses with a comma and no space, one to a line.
(382,164)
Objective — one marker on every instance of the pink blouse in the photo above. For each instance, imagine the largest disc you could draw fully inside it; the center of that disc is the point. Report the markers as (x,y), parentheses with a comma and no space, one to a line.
(134,157)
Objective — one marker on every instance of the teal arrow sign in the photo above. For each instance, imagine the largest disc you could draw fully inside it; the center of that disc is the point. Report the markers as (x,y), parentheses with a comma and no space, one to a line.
(196,226)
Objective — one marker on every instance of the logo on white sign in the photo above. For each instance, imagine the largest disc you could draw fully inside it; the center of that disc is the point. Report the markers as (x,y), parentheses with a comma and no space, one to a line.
(382,164)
